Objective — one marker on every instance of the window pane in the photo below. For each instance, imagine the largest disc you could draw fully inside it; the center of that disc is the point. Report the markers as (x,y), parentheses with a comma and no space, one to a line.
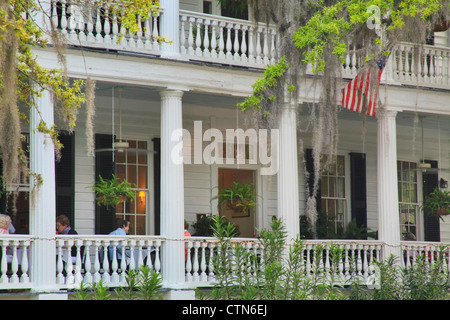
(142,177)
(324,186)
(340,166)
(131,174)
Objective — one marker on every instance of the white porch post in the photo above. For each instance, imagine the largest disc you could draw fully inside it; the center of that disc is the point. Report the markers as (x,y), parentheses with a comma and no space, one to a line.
(288,198)
(170,25)
(42,198)
(172,189)
(387,189)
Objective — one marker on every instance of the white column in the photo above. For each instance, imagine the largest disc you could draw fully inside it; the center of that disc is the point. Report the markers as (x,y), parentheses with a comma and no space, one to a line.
(288,198)
(172,189)
(42,197)
(387,189)
(169,27)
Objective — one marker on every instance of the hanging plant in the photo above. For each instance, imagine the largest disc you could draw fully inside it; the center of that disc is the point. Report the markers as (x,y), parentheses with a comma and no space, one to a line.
(438,203)
(238,196)
(112,192)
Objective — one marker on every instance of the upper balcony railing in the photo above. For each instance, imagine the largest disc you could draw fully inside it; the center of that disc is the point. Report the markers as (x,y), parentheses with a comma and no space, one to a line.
(222,40)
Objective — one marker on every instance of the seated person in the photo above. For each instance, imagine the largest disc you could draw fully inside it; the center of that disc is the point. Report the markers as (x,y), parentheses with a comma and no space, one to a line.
(5,222)
(63,227)
(123,227)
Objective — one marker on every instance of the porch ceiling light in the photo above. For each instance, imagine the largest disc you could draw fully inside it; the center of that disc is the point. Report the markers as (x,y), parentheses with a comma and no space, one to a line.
(121,146)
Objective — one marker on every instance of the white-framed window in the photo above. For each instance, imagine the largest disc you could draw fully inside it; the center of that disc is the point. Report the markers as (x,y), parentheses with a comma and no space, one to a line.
(408,198)
(333,193)
(132,165)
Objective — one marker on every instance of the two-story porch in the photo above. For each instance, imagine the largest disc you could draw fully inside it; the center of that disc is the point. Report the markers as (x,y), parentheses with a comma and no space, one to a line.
(145,92)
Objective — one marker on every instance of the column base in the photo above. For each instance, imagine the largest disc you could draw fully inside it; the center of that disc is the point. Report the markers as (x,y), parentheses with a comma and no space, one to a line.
(175,294)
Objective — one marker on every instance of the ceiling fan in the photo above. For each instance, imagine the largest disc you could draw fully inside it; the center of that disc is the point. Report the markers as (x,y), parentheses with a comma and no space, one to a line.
(120,145)
(423,166)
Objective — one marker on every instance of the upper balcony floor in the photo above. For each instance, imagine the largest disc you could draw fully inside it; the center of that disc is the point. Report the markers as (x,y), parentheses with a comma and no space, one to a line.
(218,40)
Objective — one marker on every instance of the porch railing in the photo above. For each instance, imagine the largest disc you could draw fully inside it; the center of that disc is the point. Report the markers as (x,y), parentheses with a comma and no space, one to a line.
(14,261)
(95,258)
(92,259)
(223,40)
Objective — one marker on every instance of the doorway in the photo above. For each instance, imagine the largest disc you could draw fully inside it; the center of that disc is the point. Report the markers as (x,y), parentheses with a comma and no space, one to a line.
(245,221)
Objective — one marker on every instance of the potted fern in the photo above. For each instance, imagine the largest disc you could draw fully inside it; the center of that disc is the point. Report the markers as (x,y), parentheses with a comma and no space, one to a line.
(438,203)
(238,196)
(112,192)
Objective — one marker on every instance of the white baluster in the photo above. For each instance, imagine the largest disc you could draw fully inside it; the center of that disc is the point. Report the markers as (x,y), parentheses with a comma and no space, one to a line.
(273,49)
(195,266)
(183,49)
(54,16)
(258,46)
(14,263)
(123,263)
(97,276)
(24,278)
(132,263)
(106,278)
(80,24)
(63,17)
(191,36)
(149,252)
(198,38)
(98,26)
(90,24)
(115,29)
(206,52)
(236,42)
(157,260)
(221,40)
(69,266)
(359,260)
(244,44)
(139,42)
(213,39)
(203,276)
(4,264)
(266,46)
(78,262)
(72,22)
(211,275)
(107,27)
(229,45)
(188,277)
(140,261)
(155,33)
(87,263)
(114,263)
(251,45)
(59,263)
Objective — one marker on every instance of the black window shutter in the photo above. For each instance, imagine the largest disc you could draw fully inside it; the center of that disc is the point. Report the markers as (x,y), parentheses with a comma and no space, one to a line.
(105,167)
(310,169)
(358,200)
(65,177)
(431,222)
(157,183)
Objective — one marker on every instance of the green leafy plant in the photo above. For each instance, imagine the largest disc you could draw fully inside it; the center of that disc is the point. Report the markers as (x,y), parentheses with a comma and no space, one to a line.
(438,203)
(238,196)
(112,192)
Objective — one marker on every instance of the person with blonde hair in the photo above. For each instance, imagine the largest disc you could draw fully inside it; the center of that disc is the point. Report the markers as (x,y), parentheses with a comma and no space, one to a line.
(5,221)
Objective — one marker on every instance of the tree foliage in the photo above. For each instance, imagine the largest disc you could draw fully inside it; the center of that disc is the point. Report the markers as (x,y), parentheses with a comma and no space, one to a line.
(317,35)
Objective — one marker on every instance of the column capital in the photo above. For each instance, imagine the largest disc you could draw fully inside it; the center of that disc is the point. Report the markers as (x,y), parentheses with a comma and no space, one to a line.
(172,92)
(387,112)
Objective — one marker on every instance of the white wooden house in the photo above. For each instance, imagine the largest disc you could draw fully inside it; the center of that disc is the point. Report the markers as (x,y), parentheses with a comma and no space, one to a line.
(146,91)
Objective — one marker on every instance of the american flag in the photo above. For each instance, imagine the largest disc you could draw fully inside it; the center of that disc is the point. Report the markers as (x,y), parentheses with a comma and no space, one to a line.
(361,88)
